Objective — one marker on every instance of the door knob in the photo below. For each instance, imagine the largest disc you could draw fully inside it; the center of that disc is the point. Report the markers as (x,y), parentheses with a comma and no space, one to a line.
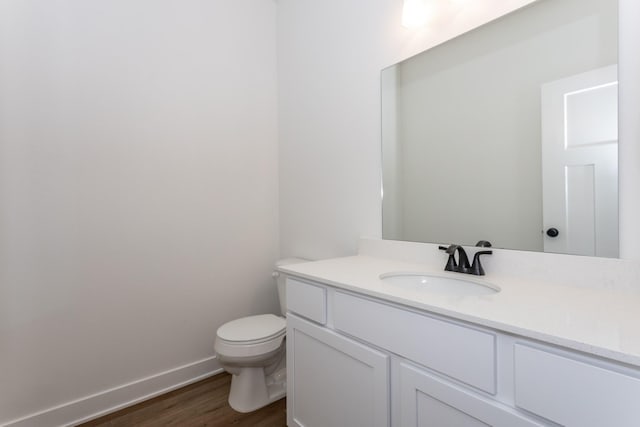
(553,232)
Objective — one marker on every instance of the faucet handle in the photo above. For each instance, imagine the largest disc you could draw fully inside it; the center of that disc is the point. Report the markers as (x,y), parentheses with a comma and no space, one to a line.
(483,243)
(476,267)
(451,262)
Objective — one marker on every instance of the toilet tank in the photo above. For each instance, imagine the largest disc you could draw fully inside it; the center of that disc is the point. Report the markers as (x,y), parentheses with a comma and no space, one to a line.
(280,280)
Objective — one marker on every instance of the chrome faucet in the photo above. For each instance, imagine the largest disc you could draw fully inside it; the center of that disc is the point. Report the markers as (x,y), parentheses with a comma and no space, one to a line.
(462,264)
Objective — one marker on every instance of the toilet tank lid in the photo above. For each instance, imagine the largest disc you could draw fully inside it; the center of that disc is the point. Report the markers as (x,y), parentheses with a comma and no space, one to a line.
(290,261)
(252,328)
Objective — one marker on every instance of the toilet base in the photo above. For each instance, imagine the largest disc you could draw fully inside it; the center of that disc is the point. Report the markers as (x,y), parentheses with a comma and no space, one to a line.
(251,390)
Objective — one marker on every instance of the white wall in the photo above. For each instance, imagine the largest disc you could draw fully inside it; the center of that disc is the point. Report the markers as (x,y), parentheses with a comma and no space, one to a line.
(330,57)
(138,189)
(330,54)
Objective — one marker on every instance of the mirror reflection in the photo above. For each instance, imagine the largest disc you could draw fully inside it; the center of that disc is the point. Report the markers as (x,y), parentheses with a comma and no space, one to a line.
(509,134)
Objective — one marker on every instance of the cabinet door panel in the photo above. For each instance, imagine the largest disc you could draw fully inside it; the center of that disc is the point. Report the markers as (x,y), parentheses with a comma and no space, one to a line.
(334,381)
(428,401)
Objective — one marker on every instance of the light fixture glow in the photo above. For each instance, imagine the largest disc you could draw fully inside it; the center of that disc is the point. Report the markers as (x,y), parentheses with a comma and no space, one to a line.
(414,13)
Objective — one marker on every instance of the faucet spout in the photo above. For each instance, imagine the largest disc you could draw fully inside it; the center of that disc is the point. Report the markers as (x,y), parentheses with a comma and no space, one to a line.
(462,264)
(463,260)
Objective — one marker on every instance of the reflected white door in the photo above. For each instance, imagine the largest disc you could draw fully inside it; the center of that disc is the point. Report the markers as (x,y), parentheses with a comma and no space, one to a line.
(580,164)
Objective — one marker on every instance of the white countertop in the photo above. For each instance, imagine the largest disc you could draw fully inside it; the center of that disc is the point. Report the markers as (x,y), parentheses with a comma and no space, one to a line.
(599,322)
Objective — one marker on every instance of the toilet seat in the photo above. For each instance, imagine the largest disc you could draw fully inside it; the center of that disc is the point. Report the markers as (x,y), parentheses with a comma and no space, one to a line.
(252,329)
(250,336)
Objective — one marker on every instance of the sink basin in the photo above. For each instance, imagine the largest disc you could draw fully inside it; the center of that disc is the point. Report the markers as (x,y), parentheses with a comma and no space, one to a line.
(440,284)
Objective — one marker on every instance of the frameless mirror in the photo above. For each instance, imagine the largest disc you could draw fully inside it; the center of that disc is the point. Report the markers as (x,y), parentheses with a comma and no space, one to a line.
(508,133)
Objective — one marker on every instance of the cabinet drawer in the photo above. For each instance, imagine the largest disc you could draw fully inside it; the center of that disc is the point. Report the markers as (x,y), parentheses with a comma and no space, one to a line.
(466,354)
(307,300)
(572,392)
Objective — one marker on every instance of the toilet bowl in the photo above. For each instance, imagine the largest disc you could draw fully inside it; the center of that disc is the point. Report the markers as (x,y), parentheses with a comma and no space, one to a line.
(252,350)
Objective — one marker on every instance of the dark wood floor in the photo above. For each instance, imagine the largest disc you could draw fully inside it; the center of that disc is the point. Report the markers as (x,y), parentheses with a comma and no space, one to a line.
(201,404)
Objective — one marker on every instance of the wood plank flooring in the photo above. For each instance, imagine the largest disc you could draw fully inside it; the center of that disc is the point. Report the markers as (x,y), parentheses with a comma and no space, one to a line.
(197,405)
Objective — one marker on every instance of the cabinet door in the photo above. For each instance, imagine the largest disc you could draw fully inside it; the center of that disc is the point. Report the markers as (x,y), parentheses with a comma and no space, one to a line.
(428,401)
(333,381)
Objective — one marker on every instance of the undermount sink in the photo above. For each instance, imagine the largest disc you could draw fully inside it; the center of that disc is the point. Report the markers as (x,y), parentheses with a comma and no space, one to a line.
(440,284)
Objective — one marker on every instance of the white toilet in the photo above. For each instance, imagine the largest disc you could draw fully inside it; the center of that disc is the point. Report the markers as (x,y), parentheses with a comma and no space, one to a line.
(252,349)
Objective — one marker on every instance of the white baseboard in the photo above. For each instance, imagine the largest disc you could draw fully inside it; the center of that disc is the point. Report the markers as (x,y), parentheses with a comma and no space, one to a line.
(107,401)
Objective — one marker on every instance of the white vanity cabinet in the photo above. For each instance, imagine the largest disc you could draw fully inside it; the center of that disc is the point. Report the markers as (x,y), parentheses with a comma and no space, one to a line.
(356,360)
(337,381)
